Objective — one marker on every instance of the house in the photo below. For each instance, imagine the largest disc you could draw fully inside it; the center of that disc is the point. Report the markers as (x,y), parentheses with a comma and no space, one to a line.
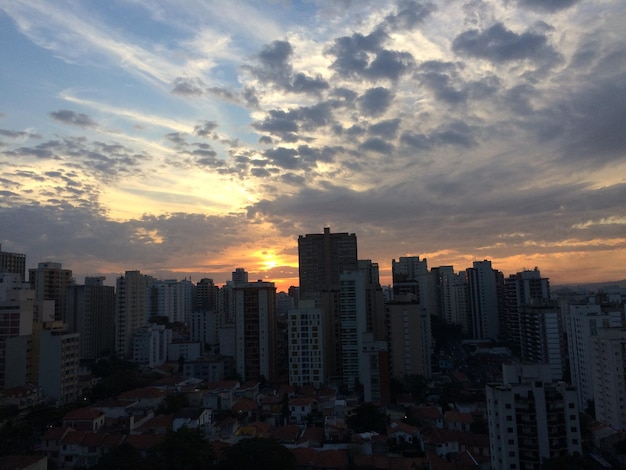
(459,421)
(193,418)
(220,395)
(286,435)
(429,416)
(404,438)
(300,408)
(245,409)
(147,397)
(159,424)
(84,419)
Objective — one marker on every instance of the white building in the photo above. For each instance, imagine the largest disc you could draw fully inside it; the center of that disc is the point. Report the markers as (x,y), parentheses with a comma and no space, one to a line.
(190,351)
(170,298)
(203,328)
(531,418)
(582,322)
(150,345)
(58,364)
(352,324)
(609,377)
(306,344)
(130,310)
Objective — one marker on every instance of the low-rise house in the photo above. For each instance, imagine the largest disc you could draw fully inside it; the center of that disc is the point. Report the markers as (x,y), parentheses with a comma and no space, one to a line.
(193,418)
(429,416)
(286,435)
(245,409)
(220,395)
(84,419)
(404,438)
(249,389)
(24,397)
(300,408)
(159,424)
(459,421)
(147,397)
(272,408)
(114,409)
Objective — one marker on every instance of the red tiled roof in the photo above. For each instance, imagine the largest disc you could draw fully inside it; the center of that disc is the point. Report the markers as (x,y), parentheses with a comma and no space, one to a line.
(458,417)
(301,401)
(336,458)
(427,412)
(244,404)
(147,392)
(112,440)
(83,414)
(144,441)
(399,426)
(74,437)
(287,433)
(250,384)
(92,439)
(56,432)
(315,435)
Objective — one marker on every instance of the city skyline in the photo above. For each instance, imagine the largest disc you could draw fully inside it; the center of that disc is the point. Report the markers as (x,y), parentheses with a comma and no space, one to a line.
(189,139)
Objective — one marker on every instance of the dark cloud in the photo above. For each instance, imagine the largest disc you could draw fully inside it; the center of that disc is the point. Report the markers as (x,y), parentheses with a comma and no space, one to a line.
(388,128)
(70,117)
(313,155)
(409,14)
(378,145)
(284,157)
(439,77)
(205,129)
(353,57)
(18,134)
(275,68)
(375,101)
(177,138)
(499,44)
(280,124)
(455,133)
(287,124)
(188,87)
(548,5)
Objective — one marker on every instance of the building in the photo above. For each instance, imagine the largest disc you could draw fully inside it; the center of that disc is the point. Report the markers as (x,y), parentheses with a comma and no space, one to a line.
(582,323)
(451,295)
(609,377)
(203,327)
(13,263)
(531,418)
(205,295)
(305,327)
(150,344)
(170,299)
(524,288)
(374,370)
(542,339)
(17,302)
(50,282)
(409,338)
(130,310)
(322,258)
(90,311)
(58,363)
(485,289)
(410,276)
(255,330)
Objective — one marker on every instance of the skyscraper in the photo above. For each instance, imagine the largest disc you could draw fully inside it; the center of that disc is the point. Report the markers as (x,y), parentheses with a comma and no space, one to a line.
(322,258)
(90,311)
(130,310)
(485,306)
(609,376)
(255,330)
(50,282)
(13,263)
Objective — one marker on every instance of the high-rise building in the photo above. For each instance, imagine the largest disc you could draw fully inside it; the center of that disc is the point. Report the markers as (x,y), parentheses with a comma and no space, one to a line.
(130,310)
(50,282)
(322,258)
(485,300)
(374,370)
(410,276)
(205,295)
(90,311)
(305,327)
(13,263)
(542,339)
(451,295)
(582,323)
(524,288)
(58,363)
(150,344)
(17,302)
(609,377)
(170,298)
(409,337)
(255,330)
(531,418)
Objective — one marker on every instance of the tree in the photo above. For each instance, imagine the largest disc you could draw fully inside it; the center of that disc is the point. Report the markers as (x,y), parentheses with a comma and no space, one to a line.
(257,454)
(123,457)
(367,418)
(185,449)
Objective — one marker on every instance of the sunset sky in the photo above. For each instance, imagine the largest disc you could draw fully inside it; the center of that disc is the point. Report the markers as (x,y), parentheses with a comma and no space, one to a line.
(189,138)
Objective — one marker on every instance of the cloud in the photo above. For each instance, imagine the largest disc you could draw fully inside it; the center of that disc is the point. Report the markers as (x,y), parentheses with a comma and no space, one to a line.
(375,101)
(188,87)
(499,44)
(353,57)
(409,14)
(205,129)
(548,5)
(70,117)
(378,145)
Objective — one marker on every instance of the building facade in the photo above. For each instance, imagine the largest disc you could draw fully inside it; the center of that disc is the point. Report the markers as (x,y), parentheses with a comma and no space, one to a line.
(50,282)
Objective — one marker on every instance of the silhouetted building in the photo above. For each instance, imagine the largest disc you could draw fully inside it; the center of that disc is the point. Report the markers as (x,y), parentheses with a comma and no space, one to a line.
(50,282)
(485,294)
(130,310)
(322,258)
(13,263)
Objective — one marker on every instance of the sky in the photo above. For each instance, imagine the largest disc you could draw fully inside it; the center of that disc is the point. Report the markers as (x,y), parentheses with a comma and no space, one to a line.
(186,139)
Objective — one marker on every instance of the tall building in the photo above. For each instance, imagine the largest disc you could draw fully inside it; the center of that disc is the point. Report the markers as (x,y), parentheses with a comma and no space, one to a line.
(205,295)
(542,339)
(17,302)
(531,418)
(524,288)
(410,276)
(322,258)
(58,363)
(305,327)
(452,295)
(130,310)
(255,330)
(484,288)
(150,344)
(582,323)
(609,377)
(90,311)
(13,263)
(50,282)
(170,298)
(409,338)
(374,370)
